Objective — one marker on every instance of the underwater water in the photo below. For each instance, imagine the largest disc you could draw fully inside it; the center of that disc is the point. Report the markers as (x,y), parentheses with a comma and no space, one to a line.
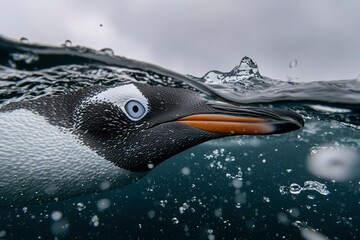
(303,184)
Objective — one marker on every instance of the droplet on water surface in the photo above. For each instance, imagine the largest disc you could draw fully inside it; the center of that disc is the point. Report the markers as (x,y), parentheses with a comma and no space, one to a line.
(24,40)
(108,51)
(67,43)
(293,63)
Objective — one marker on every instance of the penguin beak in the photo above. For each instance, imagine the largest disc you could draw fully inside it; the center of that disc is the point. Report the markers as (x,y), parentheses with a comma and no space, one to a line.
(233,120)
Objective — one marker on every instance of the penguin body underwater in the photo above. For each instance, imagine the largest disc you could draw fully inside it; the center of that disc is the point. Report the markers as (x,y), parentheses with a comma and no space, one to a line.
(103,138)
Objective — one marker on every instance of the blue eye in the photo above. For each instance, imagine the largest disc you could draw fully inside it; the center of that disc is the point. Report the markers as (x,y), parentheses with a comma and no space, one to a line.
(135,110)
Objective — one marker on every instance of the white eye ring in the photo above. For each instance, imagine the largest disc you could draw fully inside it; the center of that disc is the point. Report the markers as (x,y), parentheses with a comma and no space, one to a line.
(135,110)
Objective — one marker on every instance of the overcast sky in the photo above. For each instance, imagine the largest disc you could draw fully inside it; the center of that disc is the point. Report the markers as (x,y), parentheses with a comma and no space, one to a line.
(194,37)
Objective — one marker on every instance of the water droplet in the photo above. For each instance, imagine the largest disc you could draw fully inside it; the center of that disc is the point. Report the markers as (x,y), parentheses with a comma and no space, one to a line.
(293,63)
(108,51)
(80,206)
(24,40)
(174,220)
(68,43)
(100,25)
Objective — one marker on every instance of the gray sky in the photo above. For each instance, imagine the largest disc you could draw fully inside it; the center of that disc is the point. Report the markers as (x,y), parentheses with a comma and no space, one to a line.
(194,37)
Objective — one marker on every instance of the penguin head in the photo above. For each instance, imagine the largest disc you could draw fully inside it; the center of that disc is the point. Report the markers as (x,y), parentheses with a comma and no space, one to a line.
(137,126)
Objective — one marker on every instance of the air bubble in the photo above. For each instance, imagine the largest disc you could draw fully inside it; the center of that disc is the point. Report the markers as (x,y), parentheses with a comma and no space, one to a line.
(151,214)
(237,183)
(103,204)
(295,188)
(150,166)
(308,185)
(80,206)
(311,196)
(174,220)
(186,171)
(94,221)
(56,215)
(105,185)
(163,202)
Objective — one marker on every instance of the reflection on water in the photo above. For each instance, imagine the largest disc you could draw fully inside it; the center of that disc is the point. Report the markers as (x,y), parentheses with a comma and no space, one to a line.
(223,189)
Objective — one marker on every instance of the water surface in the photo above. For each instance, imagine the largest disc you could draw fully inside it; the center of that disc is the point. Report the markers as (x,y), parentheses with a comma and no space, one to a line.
(304,183)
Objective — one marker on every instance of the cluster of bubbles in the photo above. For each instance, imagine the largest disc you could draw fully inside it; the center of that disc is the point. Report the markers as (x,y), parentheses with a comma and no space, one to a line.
(295,188)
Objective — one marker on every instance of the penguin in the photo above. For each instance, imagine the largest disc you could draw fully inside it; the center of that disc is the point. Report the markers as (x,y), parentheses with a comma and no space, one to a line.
(102,138)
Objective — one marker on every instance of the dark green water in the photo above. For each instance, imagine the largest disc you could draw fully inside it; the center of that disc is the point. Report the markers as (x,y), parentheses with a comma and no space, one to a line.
(232,188)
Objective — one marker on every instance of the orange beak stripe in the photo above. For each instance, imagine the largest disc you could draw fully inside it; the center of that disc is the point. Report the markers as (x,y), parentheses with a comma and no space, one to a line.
(225,124)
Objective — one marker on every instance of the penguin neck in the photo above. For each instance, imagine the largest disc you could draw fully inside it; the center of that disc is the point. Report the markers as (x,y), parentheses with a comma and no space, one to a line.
(58,110)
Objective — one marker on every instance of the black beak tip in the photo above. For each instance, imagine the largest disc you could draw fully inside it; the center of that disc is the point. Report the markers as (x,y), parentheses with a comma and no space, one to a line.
(292,121)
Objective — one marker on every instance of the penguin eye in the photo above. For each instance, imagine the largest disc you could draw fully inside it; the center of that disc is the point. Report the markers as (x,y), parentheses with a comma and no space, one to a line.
(135,110)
